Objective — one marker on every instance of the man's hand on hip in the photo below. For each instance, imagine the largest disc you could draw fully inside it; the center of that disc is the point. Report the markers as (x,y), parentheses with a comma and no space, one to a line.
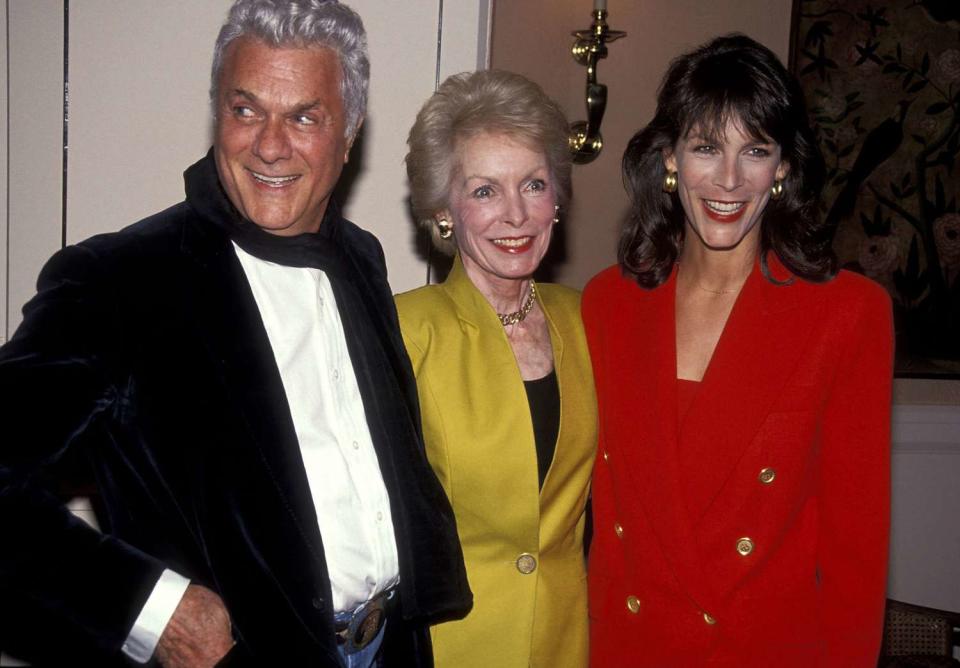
(198,634)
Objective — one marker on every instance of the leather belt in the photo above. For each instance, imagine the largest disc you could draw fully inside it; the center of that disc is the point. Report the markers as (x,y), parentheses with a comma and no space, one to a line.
(362,626)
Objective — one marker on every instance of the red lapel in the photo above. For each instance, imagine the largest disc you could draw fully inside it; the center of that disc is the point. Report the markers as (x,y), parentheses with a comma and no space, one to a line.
(760,346)
(643,410)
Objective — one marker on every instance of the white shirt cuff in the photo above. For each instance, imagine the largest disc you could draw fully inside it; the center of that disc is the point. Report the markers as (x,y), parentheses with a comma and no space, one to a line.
(153,619)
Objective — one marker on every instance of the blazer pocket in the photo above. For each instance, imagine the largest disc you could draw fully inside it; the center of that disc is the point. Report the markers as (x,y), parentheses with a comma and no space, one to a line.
(785,441)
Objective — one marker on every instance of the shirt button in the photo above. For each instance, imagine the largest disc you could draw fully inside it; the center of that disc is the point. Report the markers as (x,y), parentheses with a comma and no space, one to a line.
(767,475)
(379,516)
(356,446)
(526,563)
(617,529)
(744,546)
(708,618)
(633,604)
(336,374)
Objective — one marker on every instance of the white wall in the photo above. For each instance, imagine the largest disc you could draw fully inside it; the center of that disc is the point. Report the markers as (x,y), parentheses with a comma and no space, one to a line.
(3,179)
(925,514)
(35,130)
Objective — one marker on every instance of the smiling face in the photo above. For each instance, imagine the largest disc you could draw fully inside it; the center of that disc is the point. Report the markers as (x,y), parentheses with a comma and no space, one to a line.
(502,207)
(280,144)
(724,184)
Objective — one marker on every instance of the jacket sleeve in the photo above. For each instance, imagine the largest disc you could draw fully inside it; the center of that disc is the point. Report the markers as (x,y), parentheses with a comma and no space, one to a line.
(854,481)
(58,382)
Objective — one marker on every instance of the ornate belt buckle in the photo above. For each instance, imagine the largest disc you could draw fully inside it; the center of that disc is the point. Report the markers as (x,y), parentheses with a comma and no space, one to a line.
(368,628)
(366,624)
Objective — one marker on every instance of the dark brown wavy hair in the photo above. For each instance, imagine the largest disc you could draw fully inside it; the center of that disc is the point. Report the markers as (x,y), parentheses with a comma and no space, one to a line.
(732,78)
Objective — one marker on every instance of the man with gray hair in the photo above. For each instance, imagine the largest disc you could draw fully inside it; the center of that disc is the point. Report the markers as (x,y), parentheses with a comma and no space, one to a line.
(231,374)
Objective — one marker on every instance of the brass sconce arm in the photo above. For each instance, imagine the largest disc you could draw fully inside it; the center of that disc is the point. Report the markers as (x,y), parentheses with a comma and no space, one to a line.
(586,142)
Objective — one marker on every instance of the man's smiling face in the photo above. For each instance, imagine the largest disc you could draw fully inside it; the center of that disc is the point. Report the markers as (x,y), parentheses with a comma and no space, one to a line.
(280,144)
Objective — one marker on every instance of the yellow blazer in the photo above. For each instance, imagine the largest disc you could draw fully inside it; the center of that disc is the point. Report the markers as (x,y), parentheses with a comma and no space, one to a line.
(522,546)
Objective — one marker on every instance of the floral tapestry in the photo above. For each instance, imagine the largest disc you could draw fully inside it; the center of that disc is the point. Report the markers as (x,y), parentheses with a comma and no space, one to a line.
(882,82)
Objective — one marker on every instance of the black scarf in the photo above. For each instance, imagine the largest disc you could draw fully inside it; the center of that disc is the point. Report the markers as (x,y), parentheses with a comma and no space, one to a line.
(320,250)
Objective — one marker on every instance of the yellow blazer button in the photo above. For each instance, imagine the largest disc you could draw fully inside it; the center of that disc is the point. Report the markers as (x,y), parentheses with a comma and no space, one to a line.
(633,604)
(526,563)
(744,546)
(708,618)
(618,529)
(767,475)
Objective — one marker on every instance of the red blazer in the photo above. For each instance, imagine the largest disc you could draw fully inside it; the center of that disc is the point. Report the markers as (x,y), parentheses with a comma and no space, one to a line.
(772,549)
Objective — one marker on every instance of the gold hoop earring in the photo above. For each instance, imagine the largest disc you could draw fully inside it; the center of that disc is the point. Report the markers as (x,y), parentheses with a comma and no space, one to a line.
(670,182)
(776,191)
(556,214)
(444,228)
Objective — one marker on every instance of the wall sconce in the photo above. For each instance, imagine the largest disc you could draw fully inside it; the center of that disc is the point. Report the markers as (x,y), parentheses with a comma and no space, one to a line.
(589,47)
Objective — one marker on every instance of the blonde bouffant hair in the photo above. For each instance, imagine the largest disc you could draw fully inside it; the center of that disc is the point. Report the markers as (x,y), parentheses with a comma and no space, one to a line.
(470,104)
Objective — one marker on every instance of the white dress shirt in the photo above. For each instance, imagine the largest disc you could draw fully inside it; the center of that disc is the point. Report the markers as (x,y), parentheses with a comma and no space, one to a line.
(300,314)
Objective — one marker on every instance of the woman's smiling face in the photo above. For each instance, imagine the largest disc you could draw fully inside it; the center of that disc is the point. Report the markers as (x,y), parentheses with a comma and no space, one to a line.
(502,206)
(724,183)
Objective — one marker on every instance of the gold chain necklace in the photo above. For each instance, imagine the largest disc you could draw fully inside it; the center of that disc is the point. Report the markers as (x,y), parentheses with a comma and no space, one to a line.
(519,315)
(717,292)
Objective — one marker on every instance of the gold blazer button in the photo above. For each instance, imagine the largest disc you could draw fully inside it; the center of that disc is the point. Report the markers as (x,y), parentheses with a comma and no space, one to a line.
(708,618)
(744,546)
(618,529)
(526,563)
(633,604)
(767,475)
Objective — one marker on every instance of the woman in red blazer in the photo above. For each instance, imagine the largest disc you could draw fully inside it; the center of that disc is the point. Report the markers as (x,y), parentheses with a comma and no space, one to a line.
(741,496)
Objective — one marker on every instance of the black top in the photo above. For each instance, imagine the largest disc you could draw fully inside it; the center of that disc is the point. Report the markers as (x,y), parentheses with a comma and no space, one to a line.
(543,394)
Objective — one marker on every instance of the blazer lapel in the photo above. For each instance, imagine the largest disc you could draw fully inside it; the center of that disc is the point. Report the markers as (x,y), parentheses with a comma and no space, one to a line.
(496,380)
(378,300)
(646,405)
(559,454)
(759,347)
(232,332)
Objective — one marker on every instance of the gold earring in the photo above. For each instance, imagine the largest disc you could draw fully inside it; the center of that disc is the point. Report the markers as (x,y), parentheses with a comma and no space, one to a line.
(670,182)
(445,228)
(776,191)
(556,214)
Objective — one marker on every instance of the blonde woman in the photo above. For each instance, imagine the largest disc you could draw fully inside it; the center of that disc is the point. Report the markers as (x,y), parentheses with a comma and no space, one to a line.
(502,369)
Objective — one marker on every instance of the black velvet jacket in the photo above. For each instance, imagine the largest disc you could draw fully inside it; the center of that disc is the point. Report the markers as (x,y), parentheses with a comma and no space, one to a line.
(144,351)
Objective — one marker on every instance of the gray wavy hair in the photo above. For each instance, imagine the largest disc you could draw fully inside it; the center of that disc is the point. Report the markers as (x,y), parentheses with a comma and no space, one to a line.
(473,103)
(303,24)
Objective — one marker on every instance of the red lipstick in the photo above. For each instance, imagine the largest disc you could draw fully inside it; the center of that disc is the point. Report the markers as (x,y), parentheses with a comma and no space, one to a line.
(730,217)
(513,245)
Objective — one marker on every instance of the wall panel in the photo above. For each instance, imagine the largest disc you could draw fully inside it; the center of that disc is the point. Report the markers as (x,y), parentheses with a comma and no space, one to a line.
(35,60)
(4,133)
(139,111)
